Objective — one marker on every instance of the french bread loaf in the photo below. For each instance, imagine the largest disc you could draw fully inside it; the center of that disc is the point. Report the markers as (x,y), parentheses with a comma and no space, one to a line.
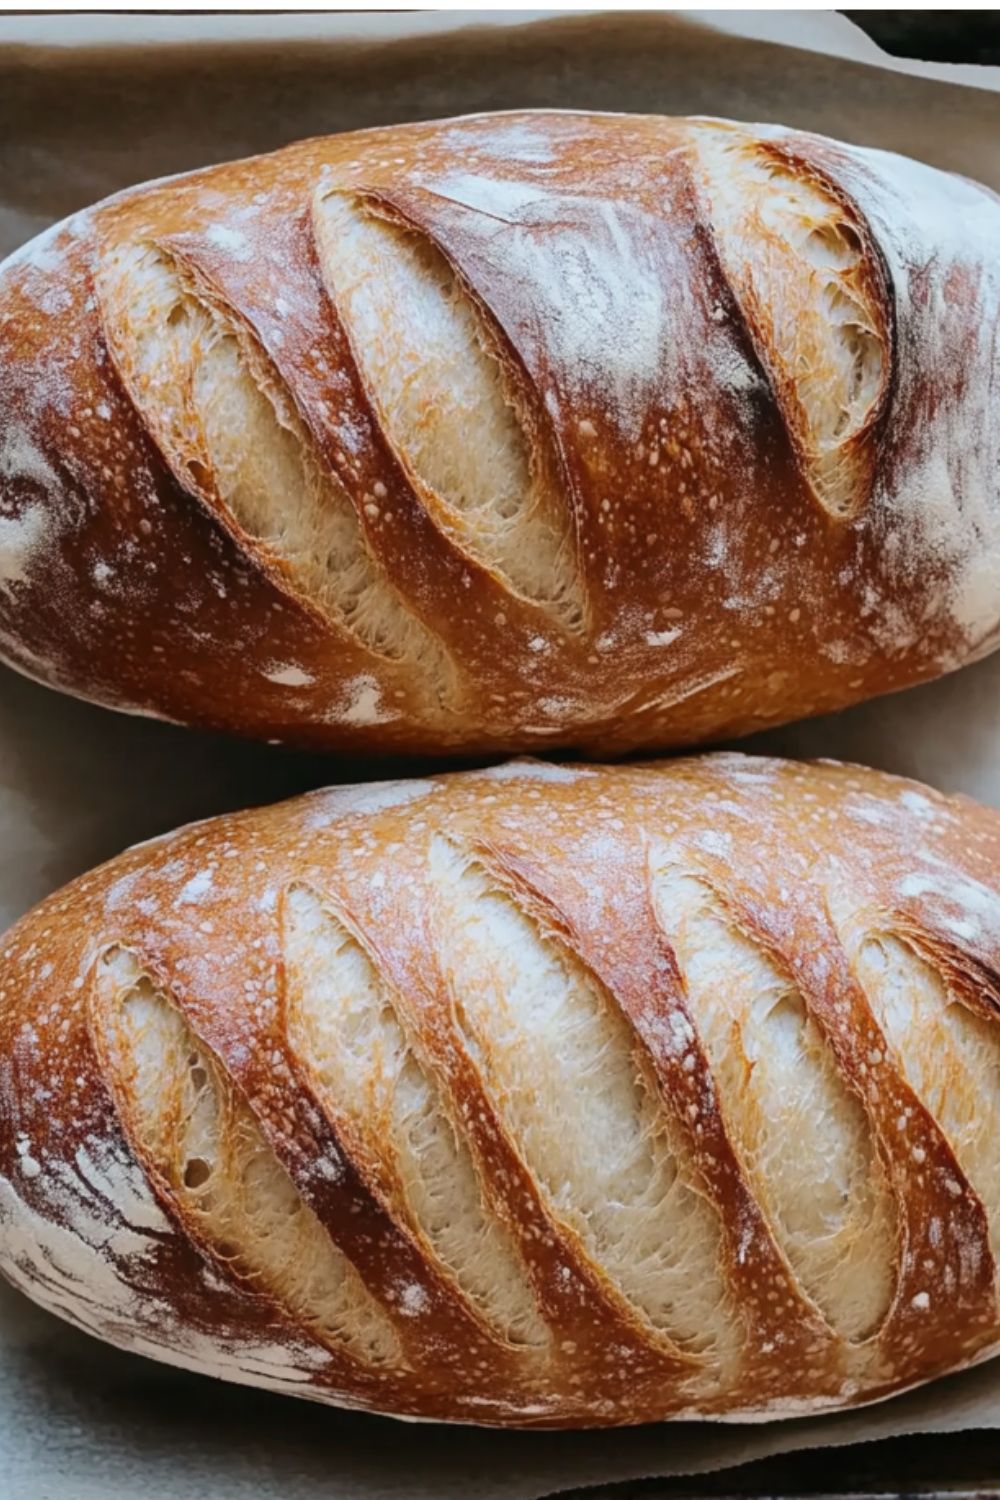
(513,431)
(533,1096)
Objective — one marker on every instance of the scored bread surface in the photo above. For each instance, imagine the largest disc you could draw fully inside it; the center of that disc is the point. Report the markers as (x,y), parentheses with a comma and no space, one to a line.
(507,432)
(533,1096)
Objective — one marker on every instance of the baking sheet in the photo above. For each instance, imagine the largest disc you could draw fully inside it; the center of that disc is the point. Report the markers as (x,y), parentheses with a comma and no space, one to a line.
(78,783)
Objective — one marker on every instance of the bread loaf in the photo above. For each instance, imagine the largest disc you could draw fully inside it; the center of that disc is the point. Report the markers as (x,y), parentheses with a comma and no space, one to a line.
(515,431)
(530,1096)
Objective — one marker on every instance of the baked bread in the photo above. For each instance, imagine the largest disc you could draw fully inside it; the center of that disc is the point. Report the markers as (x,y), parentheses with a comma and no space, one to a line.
(515,431)
(534,1096)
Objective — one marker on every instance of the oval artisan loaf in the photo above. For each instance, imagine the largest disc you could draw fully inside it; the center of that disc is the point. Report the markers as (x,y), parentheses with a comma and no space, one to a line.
(513,431)
(530,1096)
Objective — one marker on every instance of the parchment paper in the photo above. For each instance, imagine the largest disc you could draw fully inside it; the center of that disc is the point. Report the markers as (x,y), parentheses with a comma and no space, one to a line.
(77,783)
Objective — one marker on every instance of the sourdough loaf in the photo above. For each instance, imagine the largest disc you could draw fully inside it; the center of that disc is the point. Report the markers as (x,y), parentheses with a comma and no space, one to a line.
(513,431)
(533,1096)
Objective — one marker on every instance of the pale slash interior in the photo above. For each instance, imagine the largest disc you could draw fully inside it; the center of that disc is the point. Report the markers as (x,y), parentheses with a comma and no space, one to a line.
(568,1083)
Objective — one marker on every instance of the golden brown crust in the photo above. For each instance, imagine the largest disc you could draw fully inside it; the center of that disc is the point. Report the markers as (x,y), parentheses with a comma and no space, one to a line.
(757,529)
(807,862)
